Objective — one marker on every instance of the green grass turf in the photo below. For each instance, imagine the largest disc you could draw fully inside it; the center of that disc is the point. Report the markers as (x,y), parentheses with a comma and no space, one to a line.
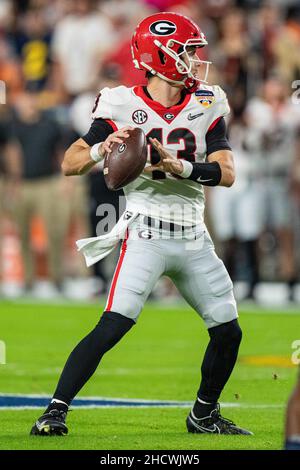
(159,359)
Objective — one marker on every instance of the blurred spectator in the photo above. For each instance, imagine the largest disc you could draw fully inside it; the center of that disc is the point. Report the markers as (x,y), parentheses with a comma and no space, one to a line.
(273,122)
(79,42)
(264,27)
(124,15)
(32,45)
(287,46)
(36,184)
(231,56)
(6,12)
(295,185)
(164,5)
(296,174)
(3,143)
(10,70)
(119,63)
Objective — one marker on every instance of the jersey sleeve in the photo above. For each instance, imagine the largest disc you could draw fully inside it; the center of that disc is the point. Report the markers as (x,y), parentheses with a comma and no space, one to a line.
(220,107)
(103,108)
(98,132)
(216,138)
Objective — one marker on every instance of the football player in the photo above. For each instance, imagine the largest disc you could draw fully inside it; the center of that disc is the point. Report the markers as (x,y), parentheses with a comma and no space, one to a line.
(183,119)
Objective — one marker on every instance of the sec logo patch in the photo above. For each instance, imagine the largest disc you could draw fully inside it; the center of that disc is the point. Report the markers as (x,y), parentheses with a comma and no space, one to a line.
(139,116)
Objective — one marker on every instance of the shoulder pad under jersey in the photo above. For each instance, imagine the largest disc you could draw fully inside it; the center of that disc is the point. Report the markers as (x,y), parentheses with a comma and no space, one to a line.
(107,99)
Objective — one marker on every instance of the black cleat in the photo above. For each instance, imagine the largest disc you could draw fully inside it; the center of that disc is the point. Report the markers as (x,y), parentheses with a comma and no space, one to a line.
(213,424)
(51,423)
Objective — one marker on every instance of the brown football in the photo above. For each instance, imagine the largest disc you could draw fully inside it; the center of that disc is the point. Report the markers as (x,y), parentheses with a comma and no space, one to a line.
(126,161)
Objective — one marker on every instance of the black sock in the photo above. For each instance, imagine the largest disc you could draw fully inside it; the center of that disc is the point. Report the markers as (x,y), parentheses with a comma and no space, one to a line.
(201,410)
(57,406)
(219,360)
(85,358)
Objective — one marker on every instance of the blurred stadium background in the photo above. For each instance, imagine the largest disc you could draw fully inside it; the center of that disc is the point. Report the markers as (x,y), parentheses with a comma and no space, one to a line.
(55,56)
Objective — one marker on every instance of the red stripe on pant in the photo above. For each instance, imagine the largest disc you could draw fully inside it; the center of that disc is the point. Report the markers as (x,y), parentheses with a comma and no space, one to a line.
(116,275)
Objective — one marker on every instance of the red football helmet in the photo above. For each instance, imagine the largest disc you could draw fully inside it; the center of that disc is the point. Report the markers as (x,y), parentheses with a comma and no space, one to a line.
(159,43)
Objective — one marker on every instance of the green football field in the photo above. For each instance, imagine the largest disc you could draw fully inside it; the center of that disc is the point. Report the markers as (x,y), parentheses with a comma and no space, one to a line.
(159,359)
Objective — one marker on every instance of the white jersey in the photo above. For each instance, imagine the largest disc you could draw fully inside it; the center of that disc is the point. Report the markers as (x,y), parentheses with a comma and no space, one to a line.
(271,136)
(182,130)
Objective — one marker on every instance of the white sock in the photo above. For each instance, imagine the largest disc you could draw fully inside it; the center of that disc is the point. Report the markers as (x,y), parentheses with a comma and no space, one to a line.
(54,400)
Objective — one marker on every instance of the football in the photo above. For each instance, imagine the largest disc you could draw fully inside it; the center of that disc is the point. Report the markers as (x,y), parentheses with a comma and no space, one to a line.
(126,161)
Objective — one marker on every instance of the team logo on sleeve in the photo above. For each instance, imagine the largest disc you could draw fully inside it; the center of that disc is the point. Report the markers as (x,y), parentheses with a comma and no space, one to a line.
(139,116)
(163,28)
(205,97)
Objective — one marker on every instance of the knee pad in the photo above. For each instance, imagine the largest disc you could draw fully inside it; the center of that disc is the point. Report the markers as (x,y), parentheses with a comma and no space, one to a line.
(223,312)
(227,334)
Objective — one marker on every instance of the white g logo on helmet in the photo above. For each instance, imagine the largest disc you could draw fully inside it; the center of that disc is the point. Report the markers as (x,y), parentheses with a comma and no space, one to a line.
(163,28)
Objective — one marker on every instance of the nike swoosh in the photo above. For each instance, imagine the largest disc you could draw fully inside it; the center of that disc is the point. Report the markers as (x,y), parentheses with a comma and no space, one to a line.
(203,181)
(213,429)
(194,116)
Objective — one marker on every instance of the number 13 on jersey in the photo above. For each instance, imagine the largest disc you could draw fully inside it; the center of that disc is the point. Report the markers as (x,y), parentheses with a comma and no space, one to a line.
(176,136)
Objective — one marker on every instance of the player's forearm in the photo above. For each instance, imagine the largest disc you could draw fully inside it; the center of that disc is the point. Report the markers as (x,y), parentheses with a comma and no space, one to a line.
(228,177)
(225,160)
(77,160)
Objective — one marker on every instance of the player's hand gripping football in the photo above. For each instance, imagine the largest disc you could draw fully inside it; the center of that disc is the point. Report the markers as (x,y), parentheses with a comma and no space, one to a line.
(167,163)
(116,137)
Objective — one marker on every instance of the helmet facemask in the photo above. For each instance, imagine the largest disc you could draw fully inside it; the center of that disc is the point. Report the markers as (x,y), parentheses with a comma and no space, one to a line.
(183,61)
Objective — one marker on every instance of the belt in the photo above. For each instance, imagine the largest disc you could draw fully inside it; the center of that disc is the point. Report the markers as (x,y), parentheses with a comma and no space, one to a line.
(169,226)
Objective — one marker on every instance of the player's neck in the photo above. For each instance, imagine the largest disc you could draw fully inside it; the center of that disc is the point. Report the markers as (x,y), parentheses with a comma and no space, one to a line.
(163,92)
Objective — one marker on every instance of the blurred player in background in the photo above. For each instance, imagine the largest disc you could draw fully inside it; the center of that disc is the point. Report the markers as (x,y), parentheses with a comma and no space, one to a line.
(237,214)
(273,126)
(184,121)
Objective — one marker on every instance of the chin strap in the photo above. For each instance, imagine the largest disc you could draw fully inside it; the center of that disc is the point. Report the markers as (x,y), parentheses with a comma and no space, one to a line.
(191,84)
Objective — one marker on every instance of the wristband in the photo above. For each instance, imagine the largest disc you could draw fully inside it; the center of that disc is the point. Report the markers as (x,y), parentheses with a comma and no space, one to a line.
(187,169)
(94,153)
(207,173)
